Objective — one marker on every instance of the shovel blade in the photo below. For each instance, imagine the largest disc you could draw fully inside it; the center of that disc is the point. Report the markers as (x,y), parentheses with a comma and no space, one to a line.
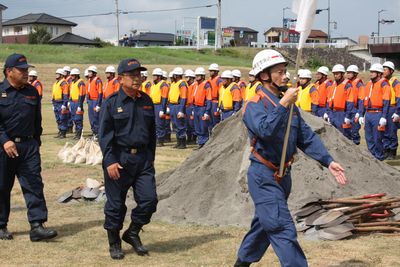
(329,236)
(327,217)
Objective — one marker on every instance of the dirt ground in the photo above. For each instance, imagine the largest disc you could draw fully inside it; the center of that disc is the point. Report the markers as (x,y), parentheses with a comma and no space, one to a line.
(82,239)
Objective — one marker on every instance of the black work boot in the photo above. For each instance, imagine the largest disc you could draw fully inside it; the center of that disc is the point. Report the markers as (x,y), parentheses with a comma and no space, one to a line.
(386,153)
(78,135)
(58,135)
(240,263)
(167,138)
(115,249)
(182,144)
(178,143)
(131,236)
(160,143)
(5,234)
(70,129)
(39,233)
(63,134)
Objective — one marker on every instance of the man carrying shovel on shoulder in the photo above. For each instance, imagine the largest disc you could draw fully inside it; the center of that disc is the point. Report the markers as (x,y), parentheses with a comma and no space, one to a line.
(266,116)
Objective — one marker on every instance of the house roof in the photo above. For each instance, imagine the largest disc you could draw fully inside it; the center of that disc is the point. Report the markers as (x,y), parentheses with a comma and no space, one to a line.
(313,34)
(3,7)
(153,36)
(244,29)
(70,38)
(39,18)
(343,38)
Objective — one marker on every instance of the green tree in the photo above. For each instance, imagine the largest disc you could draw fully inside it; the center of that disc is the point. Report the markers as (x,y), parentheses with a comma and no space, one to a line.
(102,43)
(39,35)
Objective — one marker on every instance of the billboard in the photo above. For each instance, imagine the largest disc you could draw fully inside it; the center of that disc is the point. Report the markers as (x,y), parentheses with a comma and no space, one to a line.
(207,23)
(227,32)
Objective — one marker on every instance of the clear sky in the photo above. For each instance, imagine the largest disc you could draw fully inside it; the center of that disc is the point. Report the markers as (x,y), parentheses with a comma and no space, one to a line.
(353,17)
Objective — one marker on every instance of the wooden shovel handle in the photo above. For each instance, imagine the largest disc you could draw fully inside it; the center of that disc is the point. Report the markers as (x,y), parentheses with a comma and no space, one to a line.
(378,195)
(376,224)
(372,205)
(377,228)
(372,210)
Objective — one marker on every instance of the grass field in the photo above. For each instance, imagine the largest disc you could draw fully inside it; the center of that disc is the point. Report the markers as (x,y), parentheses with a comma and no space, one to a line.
(82,239)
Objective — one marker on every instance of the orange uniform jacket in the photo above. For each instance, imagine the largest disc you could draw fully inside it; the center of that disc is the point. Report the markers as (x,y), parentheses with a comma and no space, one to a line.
(95,90)
(322,89)
(110,87)
(376,96)
(39,87)
(340,97)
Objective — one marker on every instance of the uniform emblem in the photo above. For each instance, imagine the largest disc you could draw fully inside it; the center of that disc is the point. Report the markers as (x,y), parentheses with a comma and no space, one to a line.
(119,110)
(3,94)
(147,107)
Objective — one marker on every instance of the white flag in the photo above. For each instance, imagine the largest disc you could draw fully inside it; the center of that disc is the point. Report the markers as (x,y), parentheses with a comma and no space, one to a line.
(305,10)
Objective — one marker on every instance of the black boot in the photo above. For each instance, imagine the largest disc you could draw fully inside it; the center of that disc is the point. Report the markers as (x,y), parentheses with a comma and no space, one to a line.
(5,234)
(63,134)
(39,233)
(386,153)
(240,263)
(115,249)
(178,143)
(167,138)
(131,236)
(182,144)
(160,143)
(78,135)
(199,147)
(70,129)
(189,139)
(58,135)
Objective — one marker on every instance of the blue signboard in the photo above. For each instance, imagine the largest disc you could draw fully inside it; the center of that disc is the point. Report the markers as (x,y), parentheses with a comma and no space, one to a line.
(207,23)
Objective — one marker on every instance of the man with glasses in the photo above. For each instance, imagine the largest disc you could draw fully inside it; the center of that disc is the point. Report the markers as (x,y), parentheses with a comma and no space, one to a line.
(127,138)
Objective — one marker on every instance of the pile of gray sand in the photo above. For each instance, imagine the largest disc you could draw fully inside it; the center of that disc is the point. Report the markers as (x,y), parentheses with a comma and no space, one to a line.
(210,187)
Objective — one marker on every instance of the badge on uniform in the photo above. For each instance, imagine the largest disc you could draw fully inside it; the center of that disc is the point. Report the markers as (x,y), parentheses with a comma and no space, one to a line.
(119,110)
(3,94)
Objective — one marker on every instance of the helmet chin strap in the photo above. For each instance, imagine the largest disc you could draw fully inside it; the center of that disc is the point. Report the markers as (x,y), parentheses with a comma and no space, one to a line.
(280,88)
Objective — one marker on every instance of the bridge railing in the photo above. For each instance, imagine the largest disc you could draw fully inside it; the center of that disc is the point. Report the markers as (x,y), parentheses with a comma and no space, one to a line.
(385,40)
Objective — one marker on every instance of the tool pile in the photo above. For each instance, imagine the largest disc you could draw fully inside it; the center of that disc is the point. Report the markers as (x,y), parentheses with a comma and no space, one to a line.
(91,191)
(84,151)
(340,218)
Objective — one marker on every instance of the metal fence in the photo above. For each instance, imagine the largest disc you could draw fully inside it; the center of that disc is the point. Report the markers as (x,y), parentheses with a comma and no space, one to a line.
(385,40)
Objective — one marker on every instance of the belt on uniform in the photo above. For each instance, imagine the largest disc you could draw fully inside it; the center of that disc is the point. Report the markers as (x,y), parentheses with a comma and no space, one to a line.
(75,101)
(20,139)
(269,164)
(374,110)
(215,100)
(338,109)
(134,150)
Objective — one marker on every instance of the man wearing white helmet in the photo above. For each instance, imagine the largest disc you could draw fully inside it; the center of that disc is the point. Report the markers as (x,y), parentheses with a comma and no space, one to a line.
(112,83)
(76,100)
(287,80)
(230,97)
(146,84)
(68,79)
(375,109)
(33,80)
(168,129)
(177,97)
(216,84)
(94,99)
(190,133)
(202,100)
(266,116)
(340,102)
(322,84)
(242,84)
(253,86)
(390,139)
(159,95)
(60,93)
(357,83)
(308,94)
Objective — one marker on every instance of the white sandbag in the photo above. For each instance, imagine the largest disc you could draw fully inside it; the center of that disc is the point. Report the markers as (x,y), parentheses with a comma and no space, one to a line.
(80,157)
(62,154)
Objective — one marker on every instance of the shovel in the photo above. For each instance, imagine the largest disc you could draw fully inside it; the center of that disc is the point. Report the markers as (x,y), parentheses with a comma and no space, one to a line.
(329,236)
(377,228)
(339,229)
(337,221)
(377,224)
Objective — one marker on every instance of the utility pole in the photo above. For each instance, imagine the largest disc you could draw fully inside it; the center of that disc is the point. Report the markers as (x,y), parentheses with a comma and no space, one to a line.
(117,15)
(218,33)
(329,21)
(379,20)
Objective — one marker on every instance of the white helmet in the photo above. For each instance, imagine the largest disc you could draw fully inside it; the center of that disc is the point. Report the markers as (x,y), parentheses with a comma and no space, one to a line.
(171,74)
(67,68)
(165,74)
(266,59)
(227,74)
(236,73)
(75,71)
(389,64)
(288,75)
(214,66)
(110,69)
(376,67)
(200,71)
(189,73)
(305,74)
(157,71)
(60,71)
(86,72)
(352,68)
(32,73)
(144,73)
(338,68)
(92,68)
(324,70)
(251,73)
(178,71)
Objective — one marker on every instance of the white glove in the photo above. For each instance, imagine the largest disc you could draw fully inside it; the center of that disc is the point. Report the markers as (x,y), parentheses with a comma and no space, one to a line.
(63,107)
(192,113)
(68,104)
(53,108)
(161,114)
(395,117)
(361,120)
(168,110)
(382,122)
(78,109)
(206,116)
(97,109)
(347,121)
(180,115)
(326,117)
(357,116)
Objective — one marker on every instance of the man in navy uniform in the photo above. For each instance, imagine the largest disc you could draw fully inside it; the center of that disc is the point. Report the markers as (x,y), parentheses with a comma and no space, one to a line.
(20,130)
(127,139)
